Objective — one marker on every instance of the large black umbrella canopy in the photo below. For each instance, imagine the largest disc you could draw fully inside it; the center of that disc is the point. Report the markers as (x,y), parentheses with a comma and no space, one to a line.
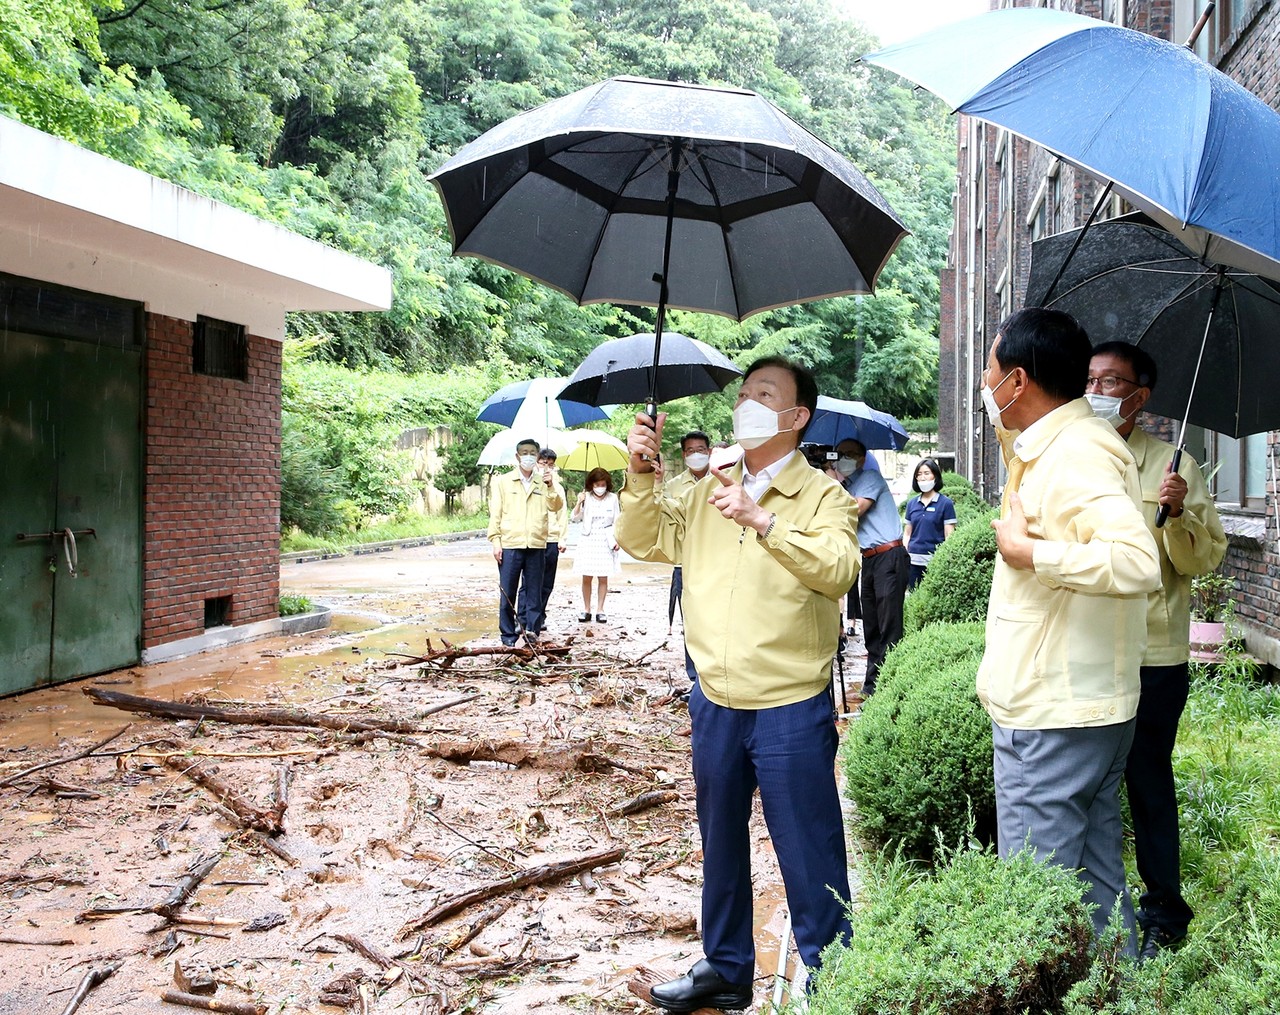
(621,370)
(607,192)
(1213,331)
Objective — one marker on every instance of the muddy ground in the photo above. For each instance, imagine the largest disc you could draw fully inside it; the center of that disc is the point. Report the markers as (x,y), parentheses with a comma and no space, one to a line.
(378,832)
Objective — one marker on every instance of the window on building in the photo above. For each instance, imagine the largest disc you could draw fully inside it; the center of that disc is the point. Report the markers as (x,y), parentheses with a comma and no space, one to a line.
(1002,173)
(1113,11)
(220,349)
(1055,216)
(1239,470)
(1038,220)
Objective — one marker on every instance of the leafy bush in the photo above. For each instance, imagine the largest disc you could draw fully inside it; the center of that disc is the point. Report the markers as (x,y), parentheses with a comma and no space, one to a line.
(957,584)
(918,761)
(292,605)
(309,493)
(983,935)
(969,506)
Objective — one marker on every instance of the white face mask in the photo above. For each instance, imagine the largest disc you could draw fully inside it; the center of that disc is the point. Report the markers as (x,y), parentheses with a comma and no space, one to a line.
(1107,407)
(527,462)
(846,466)
(926,485)
(697,461)
(600,490)
(755,423)
(989,402)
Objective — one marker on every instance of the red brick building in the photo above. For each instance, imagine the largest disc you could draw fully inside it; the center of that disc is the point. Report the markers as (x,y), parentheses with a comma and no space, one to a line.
(1010,192)
(140,330)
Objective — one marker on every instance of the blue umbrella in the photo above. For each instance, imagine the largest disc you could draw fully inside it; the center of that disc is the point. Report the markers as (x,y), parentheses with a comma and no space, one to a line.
(839,419)
(1174,136)
(539,398)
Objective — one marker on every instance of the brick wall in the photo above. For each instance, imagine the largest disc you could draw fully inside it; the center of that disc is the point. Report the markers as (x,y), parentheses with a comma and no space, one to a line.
(212,492)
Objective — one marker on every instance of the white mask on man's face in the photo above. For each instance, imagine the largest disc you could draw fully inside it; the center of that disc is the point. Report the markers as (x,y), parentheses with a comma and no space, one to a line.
(754,423)
(989,402)
(1107,407)
(527,462)
(846,466)
(697,460)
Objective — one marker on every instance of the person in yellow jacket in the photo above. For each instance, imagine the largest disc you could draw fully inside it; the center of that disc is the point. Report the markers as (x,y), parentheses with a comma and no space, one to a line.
(557,532)
(1067,616)
(519,504)
(768,547)
(1191,542)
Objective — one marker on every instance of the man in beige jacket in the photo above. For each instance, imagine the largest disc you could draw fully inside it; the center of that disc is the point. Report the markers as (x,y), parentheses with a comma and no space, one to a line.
(767,552)
(1066,622)
(519,503)
(1191,542)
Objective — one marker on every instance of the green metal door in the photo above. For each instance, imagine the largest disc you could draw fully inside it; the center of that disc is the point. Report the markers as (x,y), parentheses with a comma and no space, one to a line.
(70,488)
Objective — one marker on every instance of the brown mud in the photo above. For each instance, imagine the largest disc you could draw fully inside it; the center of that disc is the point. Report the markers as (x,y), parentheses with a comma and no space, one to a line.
(381,832)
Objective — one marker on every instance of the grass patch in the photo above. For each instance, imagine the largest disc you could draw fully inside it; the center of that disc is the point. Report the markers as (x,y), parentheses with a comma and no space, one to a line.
(291,606)
(295,540)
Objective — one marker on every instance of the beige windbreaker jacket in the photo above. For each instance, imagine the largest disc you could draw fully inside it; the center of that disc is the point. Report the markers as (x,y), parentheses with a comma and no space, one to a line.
(518,518)
(762,617)
(1065,641)
(1191,544)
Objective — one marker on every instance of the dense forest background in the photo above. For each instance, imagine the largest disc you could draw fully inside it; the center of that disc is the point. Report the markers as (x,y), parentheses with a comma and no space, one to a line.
(326,115)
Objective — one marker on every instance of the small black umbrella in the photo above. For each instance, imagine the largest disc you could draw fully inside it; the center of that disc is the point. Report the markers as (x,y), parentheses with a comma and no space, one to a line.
(666,194)
(621,370)
(1214,331)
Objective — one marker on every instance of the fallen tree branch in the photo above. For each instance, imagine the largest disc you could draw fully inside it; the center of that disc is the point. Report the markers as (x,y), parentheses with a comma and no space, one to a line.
(213,1004)
(268,821)
(644,802)
(460,936)
(523,879)
(19,776)
(263,716)
(172,902)
(383,961)
(6,940)
(92,978)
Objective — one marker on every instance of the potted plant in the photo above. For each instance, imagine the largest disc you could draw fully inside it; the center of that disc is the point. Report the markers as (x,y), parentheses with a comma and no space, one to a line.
(1211,609)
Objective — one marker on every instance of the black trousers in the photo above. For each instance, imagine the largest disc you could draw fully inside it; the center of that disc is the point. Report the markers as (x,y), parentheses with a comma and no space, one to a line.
(884,586)
(1153,800)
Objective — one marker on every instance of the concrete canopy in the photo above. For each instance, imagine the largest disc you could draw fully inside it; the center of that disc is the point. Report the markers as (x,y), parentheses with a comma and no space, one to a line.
(76,218)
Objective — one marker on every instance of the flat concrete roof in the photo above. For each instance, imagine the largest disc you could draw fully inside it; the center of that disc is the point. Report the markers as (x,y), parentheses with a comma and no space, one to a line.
(79,219)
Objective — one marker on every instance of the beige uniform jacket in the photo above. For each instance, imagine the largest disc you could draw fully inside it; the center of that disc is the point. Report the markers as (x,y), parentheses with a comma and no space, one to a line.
(557,518)
(1191,544)
(1065,640)
(677,488)
(762,617)
(518,517)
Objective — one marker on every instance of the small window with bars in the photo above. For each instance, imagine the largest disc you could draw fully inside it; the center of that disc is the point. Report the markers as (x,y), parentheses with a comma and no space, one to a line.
(220,349)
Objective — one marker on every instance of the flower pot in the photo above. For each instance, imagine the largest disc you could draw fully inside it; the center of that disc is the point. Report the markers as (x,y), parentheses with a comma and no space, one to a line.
(1208,635)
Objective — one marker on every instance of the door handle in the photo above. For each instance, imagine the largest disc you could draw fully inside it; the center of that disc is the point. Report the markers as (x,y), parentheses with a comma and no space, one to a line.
(71,552)
(69,548)
(24,536)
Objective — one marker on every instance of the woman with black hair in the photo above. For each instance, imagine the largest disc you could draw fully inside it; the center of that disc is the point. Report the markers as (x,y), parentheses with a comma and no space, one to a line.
(597,553)
(931,518)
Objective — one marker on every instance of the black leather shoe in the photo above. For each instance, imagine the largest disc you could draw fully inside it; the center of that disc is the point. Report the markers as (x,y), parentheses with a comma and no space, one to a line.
(701,987)
(1156,939)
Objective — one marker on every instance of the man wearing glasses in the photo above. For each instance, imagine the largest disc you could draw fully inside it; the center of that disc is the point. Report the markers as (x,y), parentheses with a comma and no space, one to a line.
(1191,542)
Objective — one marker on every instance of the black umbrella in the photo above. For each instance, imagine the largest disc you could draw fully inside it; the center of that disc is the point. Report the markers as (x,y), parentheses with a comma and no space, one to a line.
(621,370)
(1214,331)
(668,194)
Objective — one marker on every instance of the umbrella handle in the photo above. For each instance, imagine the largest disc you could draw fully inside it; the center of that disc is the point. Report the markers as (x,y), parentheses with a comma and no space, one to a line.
(1163,514)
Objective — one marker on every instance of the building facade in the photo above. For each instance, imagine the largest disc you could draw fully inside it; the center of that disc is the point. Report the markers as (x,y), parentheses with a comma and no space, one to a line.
(1009,193)
(140,371)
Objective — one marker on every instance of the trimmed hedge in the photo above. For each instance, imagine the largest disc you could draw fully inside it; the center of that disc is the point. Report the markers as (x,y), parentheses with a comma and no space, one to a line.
(980,935)
(957,584)
(917,763)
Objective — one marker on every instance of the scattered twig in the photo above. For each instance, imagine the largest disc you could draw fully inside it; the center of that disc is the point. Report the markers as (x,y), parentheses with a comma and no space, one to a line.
(645,801)
(257,716)
(532,876)
(213,1004)
(53,942)
(19,776)
(92,978)
(247,814)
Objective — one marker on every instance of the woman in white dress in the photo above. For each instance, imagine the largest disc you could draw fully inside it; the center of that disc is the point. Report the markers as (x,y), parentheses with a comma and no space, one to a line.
(597,553)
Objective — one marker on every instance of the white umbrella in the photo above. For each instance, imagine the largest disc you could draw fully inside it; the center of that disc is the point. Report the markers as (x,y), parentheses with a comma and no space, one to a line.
(501,448)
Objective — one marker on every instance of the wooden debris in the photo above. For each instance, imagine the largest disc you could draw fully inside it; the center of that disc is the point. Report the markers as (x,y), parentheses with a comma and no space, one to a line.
(274,847)
(195,977)
(445,657)
(383,961)
(523,879)
(344,992)
(186,886)
(249,816)
(258,715)
(53,942)
(518,754)
(213,1004)
(645,801)
(19,776)
(646,978)
(268,921)
(463,934)
(92,978)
